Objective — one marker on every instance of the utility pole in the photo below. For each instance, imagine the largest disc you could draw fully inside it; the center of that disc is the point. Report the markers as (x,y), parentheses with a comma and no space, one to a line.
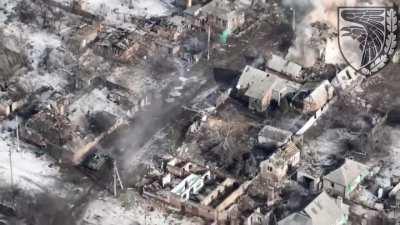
(11,169)
(117,175)
(116,178)
(208,42)
(10,155)
(16,119)
(293,19)
(115,184)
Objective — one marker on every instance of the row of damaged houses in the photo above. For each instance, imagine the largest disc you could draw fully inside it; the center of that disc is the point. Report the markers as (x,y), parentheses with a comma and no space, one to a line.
(333,190)
(261,88)
(310,98)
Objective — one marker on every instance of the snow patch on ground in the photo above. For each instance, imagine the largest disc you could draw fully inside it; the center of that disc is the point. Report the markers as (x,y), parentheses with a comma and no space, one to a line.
(6,7)
(39,42)
(34,44)
(108,211)
(94,101)
(32,81)
(118,12)
(31,173)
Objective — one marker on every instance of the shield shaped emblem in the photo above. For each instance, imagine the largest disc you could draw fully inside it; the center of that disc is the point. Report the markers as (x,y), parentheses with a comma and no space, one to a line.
(367,37)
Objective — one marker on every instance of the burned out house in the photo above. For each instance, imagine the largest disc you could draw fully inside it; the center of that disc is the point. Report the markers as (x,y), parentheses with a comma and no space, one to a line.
(273,136)
(281,162)
(197,190)
(12,97)
(57,135)
(84,35)
(344,180)
(310,177)
(10,62)
(345,78)
(261,88)
(70,128)
(222,15)
(49,130)
(287,68)
(312,96)
(322,210)
(277,169)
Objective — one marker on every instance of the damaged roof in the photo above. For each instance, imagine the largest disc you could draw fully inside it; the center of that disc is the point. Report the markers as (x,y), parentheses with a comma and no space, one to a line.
(296,219)
(258,82)
(322,210)
(284,66)
(270,134)
(349,171)
(326,210)
(223,9)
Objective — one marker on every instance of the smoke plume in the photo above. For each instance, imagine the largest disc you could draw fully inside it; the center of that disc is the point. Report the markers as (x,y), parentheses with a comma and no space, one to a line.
(305,49)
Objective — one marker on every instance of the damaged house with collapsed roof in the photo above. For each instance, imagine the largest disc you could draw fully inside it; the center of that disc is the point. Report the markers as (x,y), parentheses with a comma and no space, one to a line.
(196,190)
(273,136)
(261,88)
(223,15)
(322,210)
(12,97)
(345,78)
(71,128)
(344,180)
(310,177)
(288,68)
(10,62)
(312,96)
(277,168)
(63,140)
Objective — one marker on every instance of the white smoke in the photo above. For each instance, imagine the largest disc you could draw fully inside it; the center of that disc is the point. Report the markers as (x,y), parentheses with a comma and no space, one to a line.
(305,50)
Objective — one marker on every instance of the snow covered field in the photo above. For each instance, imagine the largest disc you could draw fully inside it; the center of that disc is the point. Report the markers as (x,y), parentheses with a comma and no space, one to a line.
(108,211)
(31,173)
(118,12)
(112,9)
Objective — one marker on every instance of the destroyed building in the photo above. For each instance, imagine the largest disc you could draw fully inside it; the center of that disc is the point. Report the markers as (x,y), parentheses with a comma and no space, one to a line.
(310,177)
(312,96)
(12,97)
(68,133)
(261,88)
(197,190)
(10,62)
(224,15)
(287,68)
(270,135)
(345,78)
